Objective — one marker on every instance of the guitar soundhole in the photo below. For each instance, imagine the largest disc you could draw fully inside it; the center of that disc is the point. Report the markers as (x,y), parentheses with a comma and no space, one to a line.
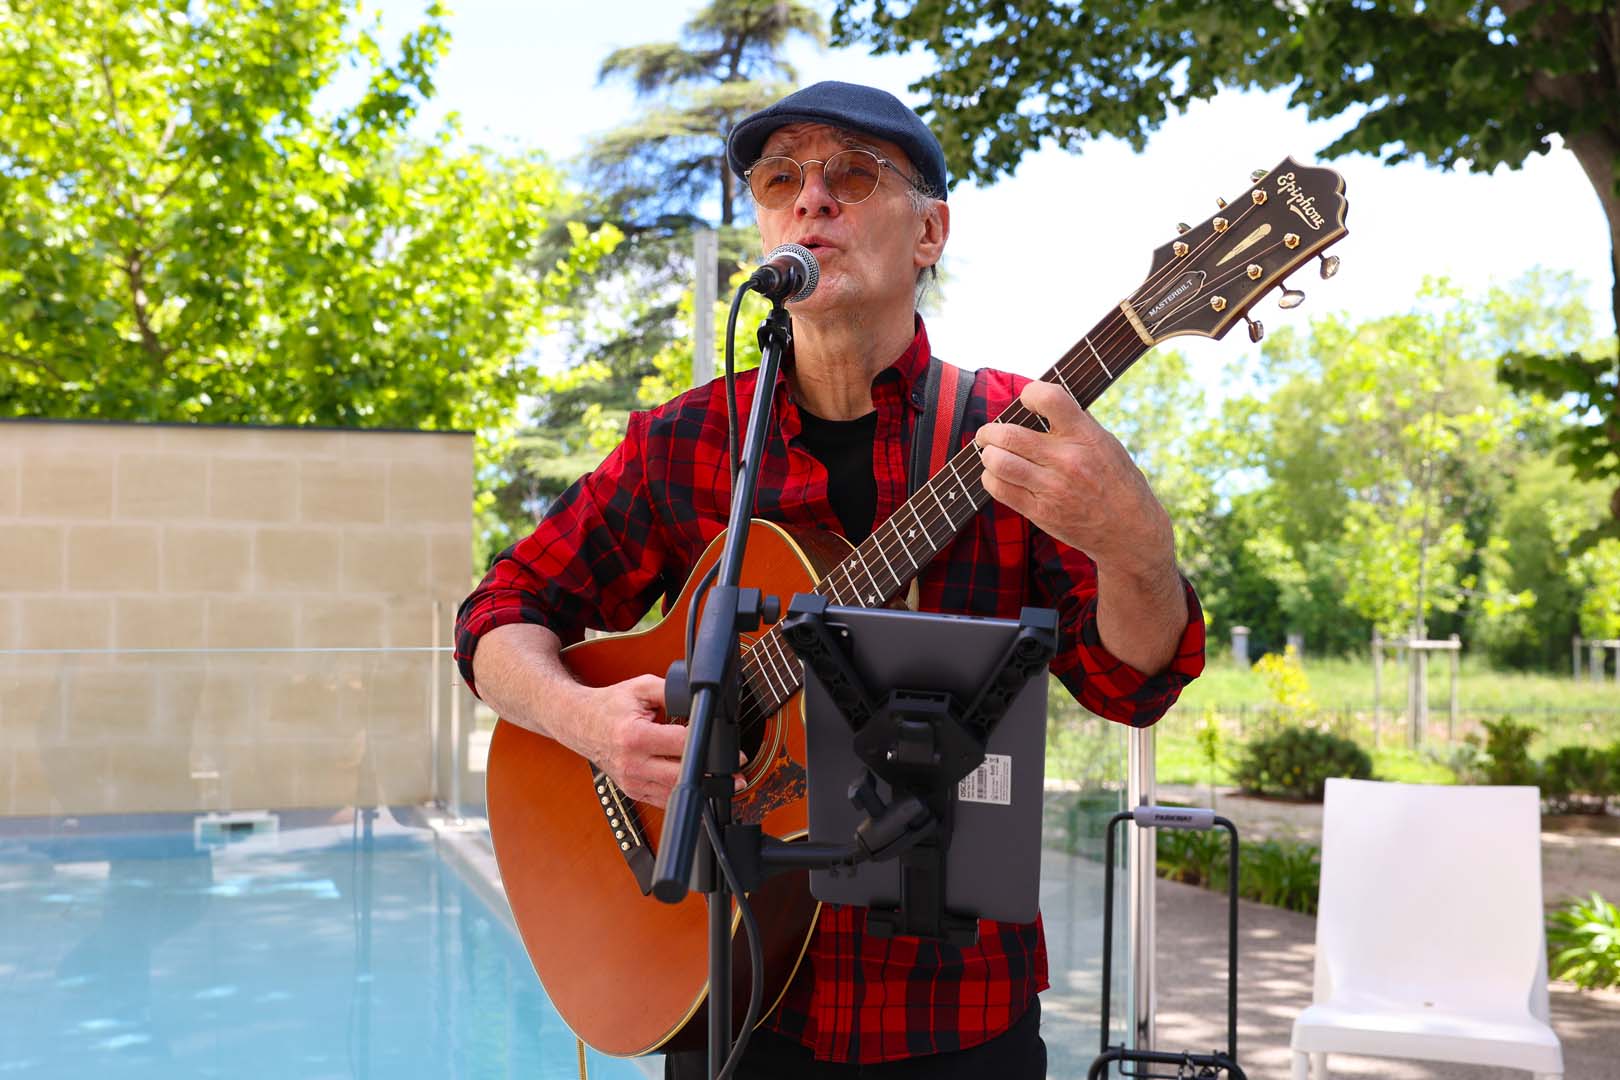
(751,738)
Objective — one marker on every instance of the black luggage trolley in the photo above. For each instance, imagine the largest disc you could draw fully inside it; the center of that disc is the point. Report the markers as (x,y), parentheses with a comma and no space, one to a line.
(1188,1065)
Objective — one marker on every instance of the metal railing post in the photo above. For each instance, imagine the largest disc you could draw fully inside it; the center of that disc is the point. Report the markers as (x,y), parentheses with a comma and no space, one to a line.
(434,690)
(455,746)
(1141,788)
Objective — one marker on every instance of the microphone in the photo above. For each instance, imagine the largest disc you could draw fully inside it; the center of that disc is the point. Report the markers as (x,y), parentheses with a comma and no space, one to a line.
(789,273)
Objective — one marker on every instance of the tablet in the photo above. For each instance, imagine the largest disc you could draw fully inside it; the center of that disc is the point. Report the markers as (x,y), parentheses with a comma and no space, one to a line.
(993,864)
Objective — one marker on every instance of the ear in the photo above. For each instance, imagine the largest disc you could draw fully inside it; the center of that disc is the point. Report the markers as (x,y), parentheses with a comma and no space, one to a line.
(933,229)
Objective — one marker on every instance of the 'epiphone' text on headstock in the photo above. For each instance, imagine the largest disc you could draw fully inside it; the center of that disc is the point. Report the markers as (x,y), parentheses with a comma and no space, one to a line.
(1300,201)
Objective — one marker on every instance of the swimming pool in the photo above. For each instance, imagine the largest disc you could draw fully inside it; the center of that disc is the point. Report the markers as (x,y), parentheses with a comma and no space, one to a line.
(337,945)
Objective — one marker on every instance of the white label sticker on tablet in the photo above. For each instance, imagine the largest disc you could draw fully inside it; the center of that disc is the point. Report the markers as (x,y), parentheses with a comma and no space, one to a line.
(991,782)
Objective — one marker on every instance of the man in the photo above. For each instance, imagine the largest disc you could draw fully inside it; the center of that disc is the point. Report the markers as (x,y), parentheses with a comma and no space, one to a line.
(852,174)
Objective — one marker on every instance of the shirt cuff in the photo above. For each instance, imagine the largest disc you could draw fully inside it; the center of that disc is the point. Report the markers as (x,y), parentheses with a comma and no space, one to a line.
(1119,692)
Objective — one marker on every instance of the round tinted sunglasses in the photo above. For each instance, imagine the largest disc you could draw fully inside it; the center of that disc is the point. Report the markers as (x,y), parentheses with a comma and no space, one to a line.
(849,175)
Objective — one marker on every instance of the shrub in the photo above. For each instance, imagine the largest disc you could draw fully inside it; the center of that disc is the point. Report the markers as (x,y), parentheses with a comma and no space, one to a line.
(1578,780)
(1193,857)
(1583,943)
(1507,752)
(1286,680)
(1297,762)
(1284,873)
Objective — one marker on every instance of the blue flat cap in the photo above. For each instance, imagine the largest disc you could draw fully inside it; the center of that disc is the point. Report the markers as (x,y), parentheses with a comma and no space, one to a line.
(863,109)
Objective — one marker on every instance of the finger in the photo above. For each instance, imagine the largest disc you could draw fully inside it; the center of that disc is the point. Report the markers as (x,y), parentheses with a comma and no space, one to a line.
(658,774)
(1033,446)
(647,688)
(1011,495)
(657,740)
(1015,471)
(1062,412)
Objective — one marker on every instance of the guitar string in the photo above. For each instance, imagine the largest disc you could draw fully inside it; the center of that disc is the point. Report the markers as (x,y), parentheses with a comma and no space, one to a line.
(1112,330)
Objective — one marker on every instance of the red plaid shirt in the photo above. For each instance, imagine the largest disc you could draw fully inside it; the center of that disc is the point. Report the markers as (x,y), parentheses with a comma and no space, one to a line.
(628,534)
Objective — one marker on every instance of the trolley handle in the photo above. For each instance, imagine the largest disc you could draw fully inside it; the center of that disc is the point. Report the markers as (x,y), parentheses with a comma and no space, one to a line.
(1174,817)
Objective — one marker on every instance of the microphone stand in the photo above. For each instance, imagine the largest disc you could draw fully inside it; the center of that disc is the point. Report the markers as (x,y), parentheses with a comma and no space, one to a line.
(712,739)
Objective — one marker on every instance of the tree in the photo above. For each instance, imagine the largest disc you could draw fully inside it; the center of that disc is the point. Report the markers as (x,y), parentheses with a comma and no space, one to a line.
(1403,485)
(656,179)
(1458,83)
(190,236)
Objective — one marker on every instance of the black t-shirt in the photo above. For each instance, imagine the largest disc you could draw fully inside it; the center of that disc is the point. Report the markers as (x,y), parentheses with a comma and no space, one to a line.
(845,448)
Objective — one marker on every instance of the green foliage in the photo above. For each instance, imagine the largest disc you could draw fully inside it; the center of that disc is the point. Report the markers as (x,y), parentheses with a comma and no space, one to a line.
(1598,570)
(1535,554)
(1580,779)
(1194,856)
(1586,380)
(1282,872)
(1583,943)
(1431,765)
(190,236)
(1507,752)
(1296,762)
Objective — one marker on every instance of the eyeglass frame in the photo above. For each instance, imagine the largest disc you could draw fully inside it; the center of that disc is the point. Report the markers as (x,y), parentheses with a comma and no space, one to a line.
(879,158)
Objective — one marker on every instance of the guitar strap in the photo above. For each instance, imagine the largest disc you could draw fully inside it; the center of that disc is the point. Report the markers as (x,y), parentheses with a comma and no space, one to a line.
(946,389)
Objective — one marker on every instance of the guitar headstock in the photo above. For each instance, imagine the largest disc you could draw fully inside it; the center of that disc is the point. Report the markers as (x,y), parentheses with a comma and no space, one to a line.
(1213,273)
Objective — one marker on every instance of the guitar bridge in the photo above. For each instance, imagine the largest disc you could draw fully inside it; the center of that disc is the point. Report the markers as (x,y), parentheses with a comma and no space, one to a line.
(619,811)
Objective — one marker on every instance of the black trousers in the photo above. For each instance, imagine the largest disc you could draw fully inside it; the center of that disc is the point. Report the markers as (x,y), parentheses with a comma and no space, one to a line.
(1016,1054)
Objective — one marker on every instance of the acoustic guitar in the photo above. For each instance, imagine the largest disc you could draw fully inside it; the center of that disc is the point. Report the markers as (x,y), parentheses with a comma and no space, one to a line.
(630,974)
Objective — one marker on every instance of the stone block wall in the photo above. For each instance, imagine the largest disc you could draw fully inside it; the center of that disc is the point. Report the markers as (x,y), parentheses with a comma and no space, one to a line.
(166,592)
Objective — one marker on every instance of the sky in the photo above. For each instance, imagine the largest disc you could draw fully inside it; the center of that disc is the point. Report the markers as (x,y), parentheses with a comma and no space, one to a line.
(1035,260)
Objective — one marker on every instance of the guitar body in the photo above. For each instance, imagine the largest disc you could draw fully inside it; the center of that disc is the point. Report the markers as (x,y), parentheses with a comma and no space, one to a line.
(628,973)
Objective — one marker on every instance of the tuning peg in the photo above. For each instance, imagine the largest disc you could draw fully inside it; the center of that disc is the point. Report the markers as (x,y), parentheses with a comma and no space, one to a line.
(1330,265)
(1220,203)
(1259,174)
(1290,298)
(1183,228)
(1257,329)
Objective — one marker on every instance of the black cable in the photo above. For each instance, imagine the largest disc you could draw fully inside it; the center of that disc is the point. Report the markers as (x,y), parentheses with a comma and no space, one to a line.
(692,609)
(756,949)
(731,382)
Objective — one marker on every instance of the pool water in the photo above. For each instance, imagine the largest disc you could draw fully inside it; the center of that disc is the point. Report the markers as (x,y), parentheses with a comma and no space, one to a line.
(338,946)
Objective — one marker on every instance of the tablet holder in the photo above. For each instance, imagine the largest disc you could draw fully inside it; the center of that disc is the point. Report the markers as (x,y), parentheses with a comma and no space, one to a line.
(921,742)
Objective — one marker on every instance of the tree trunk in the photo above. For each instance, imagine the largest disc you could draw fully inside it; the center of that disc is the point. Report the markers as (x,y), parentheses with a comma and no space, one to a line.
(1599,155)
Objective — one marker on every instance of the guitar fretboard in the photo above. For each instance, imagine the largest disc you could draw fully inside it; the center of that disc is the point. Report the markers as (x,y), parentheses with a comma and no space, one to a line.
(884,563)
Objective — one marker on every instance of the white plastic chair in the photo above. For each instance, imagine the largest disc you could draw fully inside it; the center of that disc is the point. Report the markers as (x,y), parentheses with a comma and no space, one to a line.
(1429,933)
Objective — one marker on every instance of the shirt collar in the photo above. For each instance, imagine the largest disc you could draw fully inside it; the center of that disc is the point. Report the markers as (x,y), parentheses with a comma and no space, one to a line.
(909,370)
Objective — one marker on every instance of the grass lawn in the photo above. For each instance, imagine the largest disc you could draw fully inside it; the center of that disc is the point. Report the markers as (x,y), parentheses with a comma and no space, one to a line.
(1566,712)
